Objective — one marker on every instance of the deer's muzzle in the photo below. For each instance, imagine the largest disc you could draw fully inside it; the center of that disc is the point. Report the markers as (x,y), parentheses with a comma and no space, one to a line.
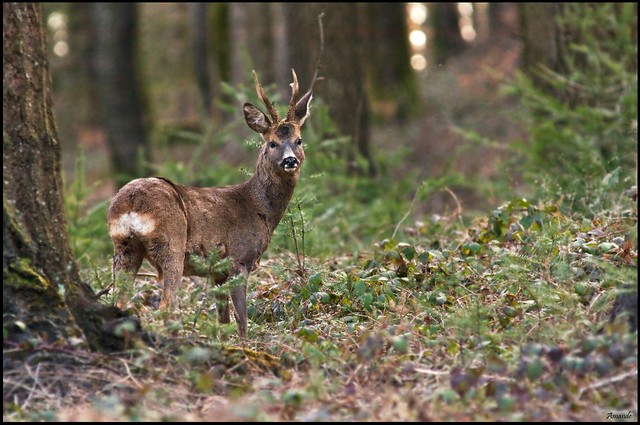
(290,163)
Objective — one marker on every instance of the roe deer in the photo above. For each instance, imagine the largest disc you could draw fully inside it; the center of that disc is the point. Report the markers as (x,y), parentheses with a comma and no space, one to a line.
(166,222)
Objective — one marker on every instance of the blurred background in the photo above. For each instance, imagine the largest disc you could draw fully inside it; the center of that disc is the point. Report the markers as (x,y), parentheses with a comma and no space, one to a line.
(423,110)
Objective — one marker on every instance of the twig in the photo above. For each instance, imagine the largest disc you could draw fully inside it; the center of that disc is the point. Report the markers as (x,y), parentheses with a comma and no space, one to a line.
(458,212)
(35,383)
(608,381)
(592,303)
(415,196)
(104,290)
(135,381)
(430,372)
(535,325)
(302,236)
(320,53)
(295,241)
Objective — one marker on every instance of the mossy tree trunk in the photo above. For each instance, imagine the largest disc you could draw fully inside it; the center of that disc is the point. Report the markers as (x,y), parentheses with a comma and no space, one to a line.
(43,296)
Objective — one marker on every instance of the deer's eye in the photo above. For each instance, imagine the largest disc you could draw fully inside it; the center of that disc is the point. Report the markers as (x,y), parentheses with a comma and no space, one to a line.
(299,142)
(272,145)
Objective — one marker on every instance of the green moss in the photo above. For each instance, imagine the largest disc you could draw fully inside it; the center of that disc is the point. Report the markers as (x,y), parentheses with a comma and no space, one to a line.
(14,221)
(23,276)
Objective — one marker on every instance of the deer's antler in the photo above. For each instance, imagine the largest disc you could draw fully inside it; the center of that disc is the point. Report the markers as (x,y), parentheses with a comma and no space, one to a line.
(294,97)
(263,97)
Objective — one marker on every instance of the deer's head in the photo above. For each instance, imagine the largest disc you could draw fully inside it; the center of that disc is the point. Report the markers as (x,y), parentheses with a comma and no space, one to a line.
(282,140)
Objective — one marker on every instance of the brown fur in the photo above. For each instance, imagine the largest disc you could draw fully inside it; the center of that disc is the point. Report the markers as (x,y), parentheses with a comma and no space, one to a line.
(165,222)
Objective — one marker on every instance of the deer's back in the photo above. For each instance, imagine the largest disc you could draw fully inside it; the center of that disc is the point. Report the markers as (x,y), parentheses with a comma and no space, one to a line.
(146,207)
(227,219)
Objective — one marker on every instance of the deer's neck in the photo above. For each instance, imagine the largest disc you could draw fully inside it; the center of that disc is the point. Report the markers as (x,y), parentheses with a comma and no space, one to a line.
(272,193)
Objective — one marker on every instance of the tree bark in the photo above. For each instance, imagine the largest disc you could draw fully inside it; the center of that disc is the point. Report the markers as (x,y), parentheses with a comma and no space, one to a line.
(543,45)
(343,69)
(220,40)
(119,89)
(200,42)
(280,49)
(43,296)
(503,19)
(393,86)
(250,32)
(447,40)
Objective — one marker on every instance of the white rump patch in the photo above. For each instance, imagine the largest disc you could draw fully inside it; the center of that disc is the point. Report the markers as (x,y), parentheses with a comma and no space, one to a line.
(132,223)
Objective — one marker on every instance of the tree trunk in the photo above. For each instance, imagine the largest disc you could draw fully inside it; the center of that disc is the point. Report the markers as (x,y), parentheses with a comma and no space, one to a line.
(543,45)
(251,42)
(503,19)
(42,294)
(481,22)
(117,80)
(220,40)
(393,86)
(280,49)
(200,43)
(343,68)
(447,40)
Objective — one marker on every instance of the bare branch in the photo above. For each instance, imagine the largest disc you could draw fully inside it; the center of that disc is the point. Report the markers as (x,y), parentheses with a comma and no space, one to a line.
(320,53)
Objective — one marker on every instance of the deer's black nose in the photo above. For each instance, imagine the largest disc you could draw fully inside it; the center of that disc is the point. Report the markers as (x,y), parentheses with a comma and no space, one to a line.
(290,163)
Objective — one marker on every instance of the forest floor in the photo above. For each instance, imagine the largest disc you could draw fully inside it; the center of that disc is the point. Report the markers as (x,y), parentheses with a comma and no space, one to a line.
(504,326)
(503,319)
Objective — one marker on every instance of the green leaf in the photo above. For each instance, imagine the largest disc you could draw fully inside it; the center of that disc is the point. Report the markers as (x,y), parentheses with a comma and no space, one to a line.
(526,221)
(308,334)
(366,300)
(534,368)
(293,398)
(400,343)
(440,298)
(126,327)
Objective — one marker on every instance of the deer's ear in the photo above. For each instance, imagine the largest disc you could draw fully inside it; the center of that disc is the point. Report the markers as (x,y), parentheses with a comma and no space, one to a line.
(256,119)
(302,108)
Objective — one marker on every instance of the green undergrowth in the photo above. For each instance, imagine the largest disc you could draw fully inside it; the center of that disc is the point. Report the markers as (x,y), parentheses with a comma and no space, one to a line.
(363,310)
(454,321)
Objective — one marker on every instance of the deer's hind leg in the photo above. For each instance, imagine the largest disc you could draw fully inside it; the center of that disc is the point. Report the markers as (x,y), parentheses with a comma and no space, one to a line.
(222,302)
(128,255)
(239,298)
(167,256)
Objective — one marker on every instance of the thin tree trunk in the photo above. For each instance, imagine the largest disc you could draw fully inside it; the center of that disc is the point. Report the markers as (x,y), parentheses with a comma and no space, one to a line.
(447,40)
(543,44)
(280,50)
(200,42)
(503,19)
(250,32)
(119,88)
(392,86)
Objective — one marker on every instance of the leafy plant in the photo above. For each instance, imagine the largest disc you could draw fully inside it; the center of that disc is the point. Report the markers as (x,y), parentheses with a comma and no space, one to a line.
(583,132)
